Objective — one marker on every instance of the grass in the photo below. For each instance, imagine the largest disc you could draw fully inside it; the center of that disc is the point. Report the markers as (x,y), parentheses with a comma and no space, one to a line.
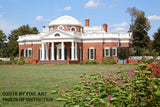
(43,78)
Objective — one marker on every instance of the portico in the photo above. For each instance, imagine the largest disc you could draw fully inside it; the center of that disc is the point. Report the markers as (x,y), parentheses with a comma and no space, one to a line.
(50,51)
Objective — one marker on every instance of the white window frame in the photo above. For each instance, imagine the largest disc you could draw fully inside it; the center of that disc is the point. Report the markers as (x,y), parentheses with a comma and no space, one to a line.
(60,26)
(90,53)
(29,49)
(74,28)
(105,51)
(115,51)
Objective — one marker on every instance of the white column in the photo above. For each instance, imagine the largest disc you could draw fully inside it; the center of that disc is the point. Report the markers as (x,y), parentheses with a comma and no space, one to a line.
(24,52)
(42,51)
(46,51)
(72,51)
(75,50)
(52,49)
(62,50)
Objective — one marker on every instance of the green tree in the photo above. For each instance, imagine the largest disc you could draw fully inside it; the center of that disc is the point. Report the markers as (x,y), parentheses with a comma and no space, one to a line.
(123,53)
(13,37)
(156,41)
(139,28)
(2,43)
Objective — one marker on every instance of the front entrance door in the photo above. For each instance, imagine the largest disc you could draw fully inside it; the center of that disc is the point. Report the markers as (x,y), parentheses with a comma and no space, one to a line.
(59,54)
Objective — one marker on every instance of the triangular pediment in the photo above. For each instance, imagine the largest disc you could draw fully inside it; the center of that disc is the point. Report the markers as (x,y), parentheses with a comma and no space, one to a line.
(58,34)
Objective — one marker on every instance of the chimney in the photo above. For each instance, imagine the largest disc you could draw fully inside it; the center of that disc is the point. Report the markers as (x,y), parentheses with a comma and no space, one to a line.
(87,22)
(43,28)
(105,27)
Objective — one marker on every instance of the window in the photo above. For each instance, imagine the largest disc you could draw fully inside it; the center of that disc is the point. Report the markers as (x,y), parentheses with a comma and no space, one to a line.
(60,27)
(57,34)
(73,29)
(29,52)
(114,51)
(106,51)
(92,53)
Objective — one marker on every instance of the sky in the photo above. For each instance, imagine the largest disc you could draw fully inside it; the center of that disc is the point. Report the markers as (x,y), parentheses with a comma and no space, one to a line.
(38,13)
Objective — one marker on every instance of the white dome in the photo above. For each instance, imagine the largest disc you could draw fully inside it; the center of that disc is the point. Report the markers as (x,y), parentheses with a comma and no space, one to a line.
(65,20)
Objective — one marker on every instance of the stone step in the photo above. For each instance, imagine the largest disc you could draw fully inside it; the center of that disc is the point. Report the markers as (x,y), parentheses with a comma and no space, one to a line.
(52,62)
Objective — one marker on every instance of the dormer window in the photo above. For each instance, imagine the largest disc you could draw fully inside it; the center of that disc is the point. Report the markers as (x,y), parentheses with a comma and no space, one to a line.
(57,34)
(73,29)
(60,27)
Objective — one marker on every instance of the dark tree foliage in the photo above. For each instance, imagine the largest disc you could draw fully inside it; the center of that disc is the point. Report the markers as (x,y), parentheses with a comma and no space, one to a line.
(139,27)
(156,41)
(123,53)
(2,43)
(13,37)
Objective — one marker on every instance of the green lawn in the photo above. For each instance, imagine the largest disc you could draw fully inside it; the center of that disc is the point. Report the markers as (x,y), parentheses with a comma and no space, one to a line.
(43,78)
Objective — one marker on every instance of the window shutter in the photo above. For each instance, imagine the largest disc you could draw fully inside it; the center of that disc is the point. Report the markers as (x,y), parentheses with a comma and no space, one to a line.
(95,54)
(118,51)
(110,52)
(127,51)
(55,53)
(65,53)
(103,52)
(88,53)
(26,52)
(70,53)
(39,54)
(44,53)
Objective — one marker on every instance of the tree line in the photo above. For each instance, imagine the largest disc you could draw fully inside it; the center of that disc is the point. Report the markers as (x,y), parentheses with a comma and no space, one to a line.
(10,48)
(141,43)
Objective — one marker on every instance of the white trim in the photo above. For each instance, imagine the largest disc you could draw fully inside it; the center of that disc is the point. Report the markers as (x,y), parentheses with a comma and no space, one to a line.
(105,51)
(115,51)
(90,41)
(111,40)
(74,28)
(35,42)
(62,40)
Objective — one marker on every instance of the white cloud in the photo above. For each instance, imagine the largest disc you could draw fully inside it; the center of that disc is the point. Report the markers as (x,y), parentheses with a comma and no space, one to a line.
(112,6)
(41,19)
(122,27)
(67,8)
(5,26)
(154,18)
(92,4)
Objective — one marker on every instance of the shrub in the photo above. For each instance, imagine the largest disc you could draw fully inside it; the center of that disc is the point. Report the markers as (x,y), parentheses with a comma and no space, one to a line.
(154,54)
(146,53)
(91,62)
(11,58)
(20,62)
(130,89)
(109,60)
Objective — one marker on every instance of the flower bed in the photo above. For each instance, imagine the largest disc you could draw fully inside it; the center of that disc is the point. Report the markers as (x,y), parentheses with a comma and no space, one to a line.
(134,88)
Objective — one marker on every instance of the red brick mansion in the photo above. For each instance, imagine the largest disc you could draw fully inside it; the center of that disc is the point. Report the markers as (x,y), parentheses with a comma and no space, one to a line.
(67,41)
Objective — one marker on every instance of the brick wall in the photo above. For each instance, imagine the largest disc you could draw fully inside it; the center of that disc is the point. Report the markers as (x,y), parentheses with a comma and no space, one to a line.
(67,28)
(99,46)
